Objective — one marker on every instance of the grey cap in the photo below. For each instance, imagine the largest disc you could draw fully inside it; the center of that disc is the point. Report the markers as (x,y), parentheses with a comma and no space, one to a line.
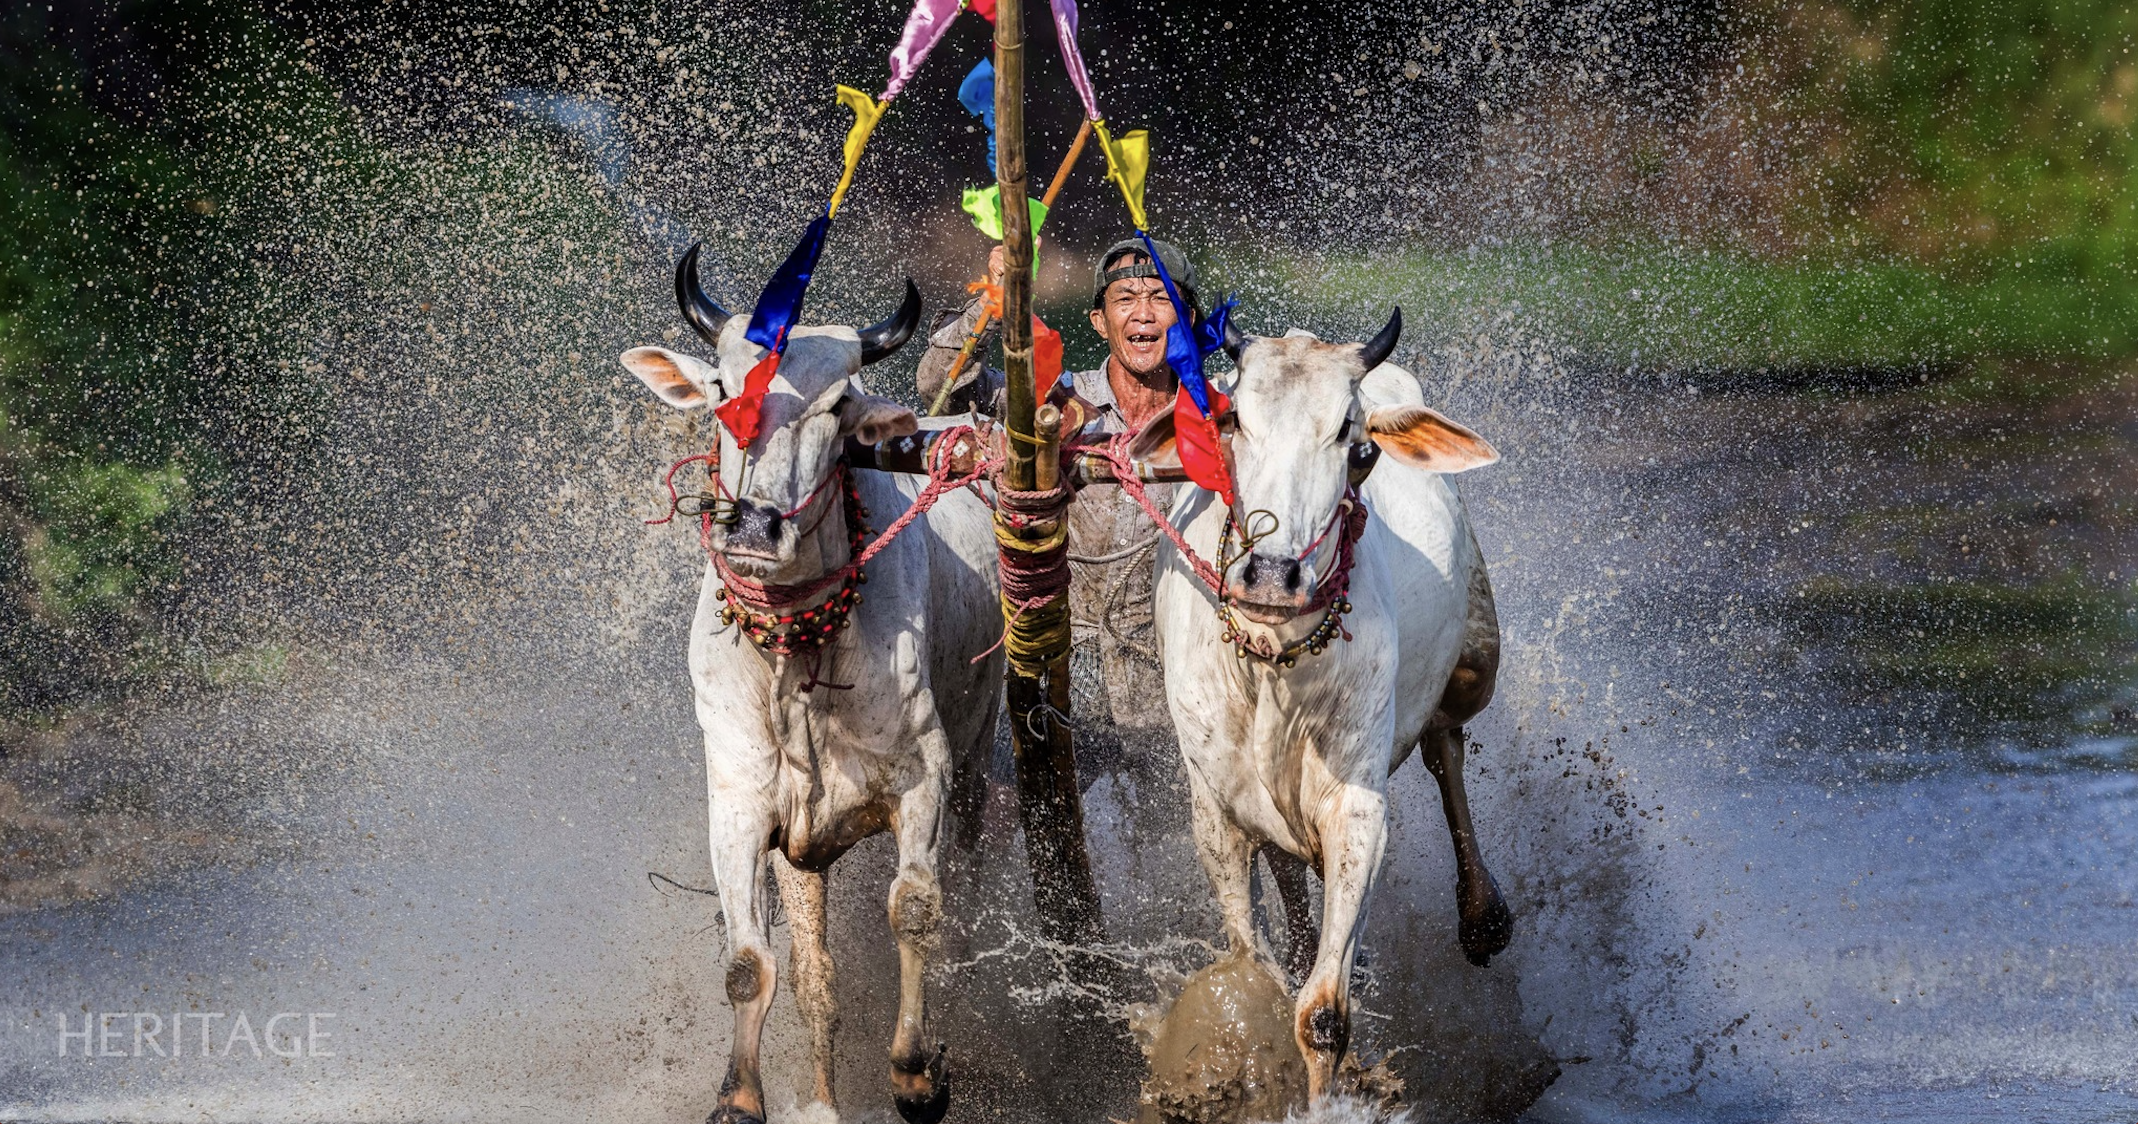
(1176,263)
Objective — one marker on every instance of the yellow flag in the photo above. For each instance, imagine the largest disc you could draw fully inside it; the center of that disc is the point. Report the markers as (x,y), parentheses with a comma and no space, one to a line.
(1128,160)
(867,111)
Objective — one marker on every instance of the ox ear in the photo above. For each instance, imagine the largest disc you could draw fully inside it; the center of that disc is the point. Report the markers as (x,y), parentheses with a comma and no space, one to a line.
(1154,445)
(679,380)
(1427,439)
(872,420)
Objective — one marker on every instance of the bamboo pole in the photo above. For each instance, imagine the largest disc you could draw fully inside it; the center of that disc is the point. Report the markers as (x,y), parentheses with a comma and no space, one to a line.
(1049,803)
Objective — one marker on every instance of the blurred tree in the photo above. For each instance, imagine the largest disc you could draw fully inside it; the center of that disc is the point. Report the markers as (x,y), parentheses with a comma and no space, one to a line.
(118,263)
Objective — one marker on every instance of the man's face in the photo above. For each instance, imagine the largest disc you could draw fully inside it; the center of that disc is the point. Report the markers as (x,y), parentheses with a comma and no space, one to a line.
(1133,317)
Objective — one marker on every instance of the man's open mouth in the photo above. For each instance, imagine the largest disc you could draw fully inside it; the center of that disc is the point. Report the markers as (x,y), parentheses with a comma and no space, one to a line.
(1139,340)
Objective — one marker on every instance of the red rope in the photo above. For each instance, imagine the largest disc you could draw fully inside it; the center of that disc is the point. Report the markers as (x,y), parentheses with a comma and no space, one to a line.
(1332,592)
(1124,468)
(769,597)
(939,482)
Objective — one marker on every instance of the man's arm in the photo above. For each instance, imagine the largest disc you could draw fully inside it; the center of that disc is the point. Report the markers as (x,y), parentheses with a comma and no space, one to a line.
(952,328)
(979,386)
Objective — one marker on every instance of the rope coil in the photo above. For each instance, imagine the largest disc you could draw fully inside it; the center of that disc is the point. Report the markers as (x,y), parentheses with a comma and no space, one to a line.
(1035,576)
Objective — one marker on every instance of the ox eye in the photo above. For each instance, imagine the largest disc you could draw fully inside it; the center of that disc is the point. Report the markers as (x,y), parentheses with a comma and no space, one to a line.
(1343,432)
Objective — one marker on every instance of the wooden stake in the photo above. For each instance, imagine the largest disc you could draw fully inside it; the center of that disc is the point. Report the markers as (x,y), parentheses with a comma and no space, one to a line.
(1049,803)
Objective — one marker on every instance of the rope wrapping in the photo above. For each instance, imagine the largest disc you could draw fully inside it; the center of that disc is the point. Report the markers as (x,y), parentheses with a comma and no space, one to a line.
(1035,576)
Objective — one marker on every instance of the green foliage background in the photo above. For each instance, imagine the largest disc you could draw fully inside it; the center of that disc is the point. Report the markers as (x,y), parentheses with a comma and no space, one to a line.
(131,307)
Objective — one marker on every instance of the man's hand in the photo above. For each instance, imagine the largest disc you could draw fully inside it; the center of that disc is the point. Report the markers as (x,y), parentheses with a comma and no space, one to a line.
(998,262)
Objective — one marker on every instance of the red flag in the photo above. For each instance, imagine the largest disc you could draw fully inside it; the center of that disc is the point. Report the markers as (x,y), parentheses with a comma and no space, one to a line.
(1046,357)
(1195,438)
(986,8)
(740,413)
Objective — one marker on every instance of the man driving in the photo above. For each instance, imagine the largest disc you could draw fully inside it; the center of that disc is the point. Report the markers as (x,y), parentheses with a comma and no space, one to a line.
(1110,538)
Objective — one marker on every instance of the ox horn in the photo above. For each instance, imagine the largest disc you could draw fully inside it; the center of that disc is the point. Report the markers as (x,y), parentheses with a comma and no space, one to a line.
(879,340)
(1376,351)
(703,312)
(1235,340)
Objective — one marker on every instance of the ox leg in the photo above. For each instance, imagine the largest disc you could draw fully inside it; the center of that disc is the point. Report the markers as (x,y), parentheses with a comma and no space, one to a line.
(1228,859)
(920,1085)
(1301,938)
(968,795)
(1487,923)
(1352,842)
(739,844)
(802,893)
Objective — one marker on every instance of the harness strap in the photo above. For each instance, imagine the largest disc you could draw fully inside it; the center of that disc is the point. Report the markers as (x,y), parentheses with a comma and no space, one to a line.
(766,611)
(1332,593)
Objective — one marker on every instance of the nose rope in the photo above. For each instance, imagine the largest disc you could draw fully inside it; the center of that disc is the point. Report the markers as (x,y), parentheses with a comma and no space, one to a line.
(1332,593)
(769,613)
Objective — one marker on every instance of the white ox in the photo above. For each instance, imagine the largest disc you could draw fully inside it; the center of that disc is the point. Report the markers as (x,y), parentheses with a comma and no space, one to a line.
(1294,757)
(810,755)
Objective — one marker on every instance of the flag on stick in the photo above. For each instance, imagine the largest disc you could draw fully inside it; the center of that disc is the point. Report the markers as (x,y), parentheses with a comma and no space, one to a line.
(977,95)
(778,309)
(925,26)
(1128,160)
(1197,405)
(1073,56)
(867,111)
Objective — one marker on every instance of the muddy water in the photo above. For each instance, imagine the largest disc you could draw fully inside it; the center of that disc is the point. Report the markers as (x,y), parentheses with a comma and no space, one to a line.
(1772,860)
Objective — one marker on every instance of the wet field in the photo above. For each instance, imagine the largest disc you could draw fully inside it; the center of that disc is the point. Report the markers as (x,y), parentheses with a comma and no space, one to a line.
(1812,779)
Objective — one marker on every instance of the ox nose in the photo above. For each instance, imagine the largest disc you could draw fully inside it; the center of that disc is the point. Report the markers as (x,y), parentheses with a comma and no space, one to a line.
(1271,579)
(756,527)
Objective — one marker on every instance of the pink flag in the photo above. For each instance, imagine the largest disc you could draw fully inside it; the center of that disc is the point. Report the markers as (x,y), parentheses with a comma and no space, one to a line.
(1073,56)
(924,29)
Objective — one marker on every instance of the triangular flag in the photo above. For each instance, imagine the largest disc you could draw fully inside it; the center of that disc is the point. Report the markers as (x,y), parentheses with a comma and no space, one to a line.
(1196,440)
(925,26)
(781,302)
(1046,358)
(740,414)
(977,95)
(867,111)
(777,309)
(1072,55)
(1128,160)
(984,204)
(1198,404)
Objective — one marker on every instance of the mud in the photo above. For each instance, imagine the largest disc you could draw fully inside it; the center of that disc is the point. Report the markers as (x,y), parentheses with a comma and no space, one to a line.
(1224,1051)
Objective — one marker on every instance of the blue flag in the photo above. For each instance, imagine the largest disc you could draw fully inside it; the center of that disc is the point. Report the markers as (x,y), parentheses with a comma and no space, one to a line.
(977,95)
(1187,343)
(780,305)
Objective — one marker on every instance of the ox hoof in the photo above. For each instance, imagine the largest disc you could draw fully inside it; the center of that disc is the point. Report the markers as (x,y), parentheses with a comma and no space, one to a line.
(922,1095)
(1487,924)
(729,1114)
